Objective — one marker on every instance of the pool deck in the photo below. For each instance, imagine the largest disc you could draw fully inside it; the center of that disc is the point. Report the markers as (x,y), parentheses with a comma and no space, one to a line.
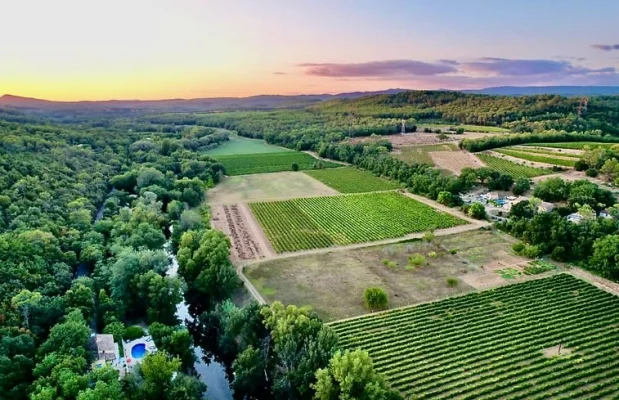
(131,362)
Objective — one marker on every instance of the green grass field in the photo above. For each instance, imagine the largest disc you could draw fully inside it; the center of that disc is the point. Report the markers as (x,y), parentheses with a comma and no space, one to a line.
(241,145)
(468,128)
(419,154)
(573,145)
(351,180)
(244,164)
(536,157)
(551,338)
(309,223)
(513,169)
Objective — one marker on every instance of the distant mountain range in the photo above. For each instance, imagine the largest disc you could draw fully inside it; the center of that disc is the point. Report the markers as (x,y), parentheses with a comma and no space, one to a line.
(265,102)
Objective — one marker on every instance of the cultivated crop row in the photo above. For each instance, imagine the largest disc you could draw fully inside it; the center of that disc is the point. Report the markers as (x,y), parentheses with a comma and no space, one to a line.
(541,158)
(510,168)
(573,145)
(351,180)
(243,164)
(309,223)
(548,338)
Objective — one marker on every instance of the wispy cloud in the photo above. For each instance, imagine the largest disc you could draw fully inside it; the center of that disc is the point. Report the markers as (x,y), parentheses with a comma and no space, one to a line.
(279,73)
(487,71)
(606,47)
(374,69)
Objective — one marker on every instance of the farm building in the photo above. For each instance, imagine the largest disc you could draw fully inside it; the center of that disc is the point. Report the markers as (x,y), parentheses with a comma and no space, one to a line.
(107,349)
(575,218)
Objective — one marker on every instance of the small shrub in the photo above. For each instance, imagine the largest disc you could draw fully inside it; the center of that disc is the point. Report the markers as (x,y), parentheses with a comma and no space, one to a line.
(459,131)
(385,261)
(437,131)
(416,260)
(531,251)
(452,281)
(453,251)
(133,332)
(428,237)
(477,211)
(591,172)
(392,264)
(432,254)
(442,136)
(427,130)
(518,247)
(375,298)
(294,166)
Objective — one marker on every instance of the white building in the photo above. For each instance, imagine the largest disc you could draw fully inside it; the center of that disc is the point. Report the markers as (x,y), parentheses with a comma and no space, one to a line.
(575,218)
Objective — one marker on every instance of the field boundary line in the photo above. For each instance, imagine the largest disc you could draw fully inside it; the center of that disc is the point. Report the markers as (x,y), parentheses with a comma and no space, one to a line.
(507,283)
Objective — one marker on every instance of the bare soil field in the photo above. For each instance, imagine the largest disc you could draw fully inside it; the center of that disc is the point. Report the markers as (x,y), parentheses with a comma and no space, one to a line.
(455,161)
(266,187)
(333,282)
(419,154)
(248,240)
(421,138)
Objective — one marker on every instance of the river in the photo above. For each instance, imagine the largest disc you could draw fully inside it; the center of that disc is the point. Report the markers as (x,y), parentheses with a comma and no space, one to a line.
(212,374)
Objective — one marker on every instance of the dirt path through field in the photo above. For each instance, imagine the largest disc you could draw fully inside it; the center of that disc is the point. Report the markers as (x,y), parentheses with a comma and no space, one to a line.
(256,231)
(316,156)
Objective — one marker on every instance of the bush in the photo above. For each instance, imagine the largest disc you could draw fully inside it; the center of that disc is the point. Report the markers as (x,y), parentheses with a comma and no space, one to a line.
(294,166)
(432,254)
(477,211)
(428,237)
(385,261)
(375,298)
(437,131)
(581,165)
(392,264)
(521,186)
(453,251)
(133,332)
(445,198)
(459,131)
(442,136)
(427,130)
(531,251)
(591,172)
(414,128)
(416,260)
(518,247)
(452,281)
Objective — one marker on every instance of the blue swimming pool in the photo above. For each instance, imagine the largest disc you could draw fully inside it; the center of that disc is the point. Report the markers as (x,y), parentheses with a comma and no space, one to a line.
(138,351)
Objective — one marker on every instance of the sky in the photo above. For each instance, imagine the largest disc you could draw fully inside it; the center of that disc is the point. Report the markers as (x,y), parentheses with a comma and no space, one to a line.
(155,49)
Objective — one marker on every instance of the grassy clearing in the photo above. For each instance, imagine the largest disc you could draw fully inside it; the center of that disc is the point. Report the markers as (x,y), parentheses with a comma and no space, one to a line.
(572,145)
(266,187)
(468,128)
(494,344)
(241,145)
(243,164)
(530,156)
(351,180)
(513,169)
(302,224)
(333,283)
(419,154)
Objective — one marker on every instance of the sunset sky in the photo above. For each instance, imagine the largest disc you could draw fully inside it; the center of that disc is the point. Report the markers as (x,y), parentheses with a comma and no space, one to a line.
(153,49)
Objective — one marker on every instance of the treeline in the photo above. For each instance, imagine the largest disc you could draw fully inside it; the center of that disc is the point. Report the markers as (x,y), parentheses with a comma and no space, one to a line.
(495,141)
(84,217)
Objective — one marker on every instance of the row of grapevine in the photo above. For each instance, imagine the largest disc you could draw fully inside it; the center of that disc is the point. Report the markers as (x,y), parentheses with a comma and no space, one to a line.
(351,180)
(545,151)
(541,158)
(498,344)
(511,168)
(573,145)
(243,164)
(308,223)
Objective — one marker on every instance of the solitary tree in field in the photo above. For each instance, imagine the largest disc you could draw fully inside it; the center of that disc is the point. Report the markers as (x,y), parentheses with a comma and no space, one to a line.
(376,298)
(295,166)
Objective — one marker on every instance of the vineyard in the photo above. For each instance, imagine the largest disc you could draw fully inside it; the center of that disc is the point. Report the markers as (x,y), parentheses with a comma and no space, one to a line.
(513,169)
(530,156)
(573,145)
(552,338)
(548,151)
(309,223)
(351,180)
(243,164)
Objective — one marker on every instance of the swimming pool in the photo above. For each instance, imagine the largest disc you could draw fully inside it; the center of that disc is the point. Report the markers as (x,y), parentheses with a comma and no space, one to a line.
(138,351)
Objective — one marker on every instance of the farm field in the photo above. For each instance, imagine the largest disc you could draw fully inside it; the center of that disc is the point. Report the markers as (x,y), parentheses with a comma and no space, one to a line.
(550,151)
(241,145)
(310,223)
(455,161)
(550,338)
(244,164)
(332,283)
(265,187)
(420,154)
(542,158)
(572,145)
(351,180)
(513,169)
(467,128)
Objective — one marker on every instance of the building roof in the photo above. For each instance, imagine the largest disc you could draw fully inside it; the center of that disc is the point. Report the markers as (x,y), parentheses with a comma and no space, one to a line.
(546,206)
(106,348)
